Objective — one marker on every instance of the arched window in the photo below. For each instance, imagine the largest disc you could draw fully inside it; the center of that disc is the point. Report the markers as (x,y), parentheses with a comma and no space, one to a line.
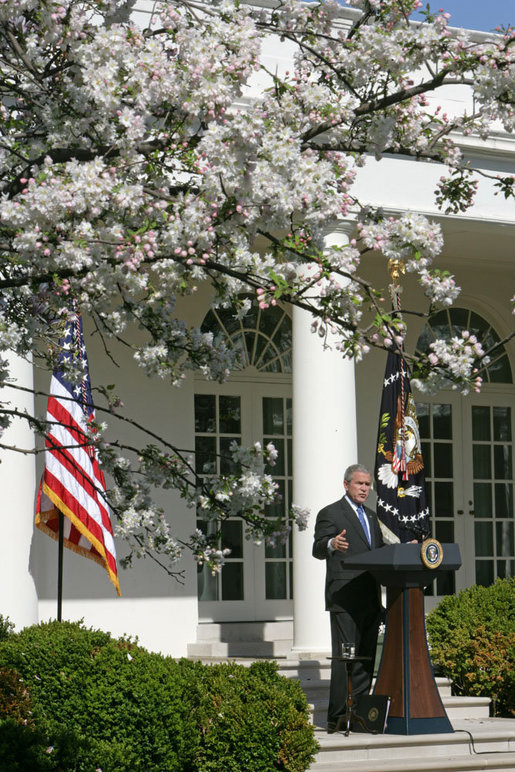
(452,322)
(263,338)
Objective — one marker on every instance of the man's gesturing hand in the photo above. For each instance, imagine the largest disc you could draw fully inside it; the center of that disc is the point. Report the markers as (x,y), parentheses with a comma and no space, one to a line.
(340,542)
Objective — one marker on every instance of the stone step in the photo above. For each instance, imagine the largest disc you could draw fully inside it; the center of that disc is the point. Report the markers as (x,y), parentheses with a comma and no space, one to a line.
(314,678)
(238,649)
(255,640)
(455,707)
(492,763)
(245,631)
(475,744)
(319,682)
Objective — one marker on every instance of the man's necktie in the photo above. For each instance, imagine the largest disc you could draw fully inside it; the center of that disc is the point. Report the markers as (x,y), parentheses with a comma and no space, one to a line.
(361,515)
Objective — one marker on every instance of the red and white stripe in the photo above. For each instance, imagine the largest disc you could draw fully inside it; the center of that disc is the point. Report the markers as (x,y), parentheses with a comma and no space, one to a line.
(74,484)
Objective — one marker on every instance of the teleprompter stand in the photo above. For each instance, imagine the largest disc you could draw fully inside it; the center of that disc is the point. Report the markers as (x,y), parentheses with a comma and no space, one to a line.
(405,673)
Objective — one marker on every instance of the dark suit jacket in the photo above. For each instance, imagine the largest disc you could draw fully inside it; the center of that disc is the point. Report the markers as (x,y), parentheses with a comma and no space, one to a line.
(346,589)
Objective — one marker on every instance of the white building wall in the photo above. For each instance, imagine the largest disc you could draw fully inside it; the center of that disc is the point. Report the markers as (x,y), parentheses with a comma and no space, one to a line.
(18,599)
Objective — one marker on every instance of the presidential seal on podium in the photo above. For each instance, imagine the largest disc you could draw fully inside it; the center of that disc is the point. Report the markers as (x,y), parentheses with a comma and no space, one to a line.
(431,553)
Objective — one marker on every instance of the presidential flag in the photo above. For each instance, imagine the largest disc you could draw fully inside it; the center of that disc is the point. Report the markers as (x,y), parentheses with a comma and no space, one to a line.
(399,469)
(73,483)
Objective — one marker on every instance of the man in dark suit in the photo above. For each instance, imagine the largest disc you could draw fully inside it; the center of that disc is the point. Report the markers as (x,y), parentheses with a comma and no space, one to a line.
(353,598)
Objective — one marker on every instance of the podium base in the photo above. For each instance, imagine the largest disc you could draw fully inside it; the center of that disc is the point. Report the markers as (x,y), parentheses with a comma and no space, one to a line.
(408,726)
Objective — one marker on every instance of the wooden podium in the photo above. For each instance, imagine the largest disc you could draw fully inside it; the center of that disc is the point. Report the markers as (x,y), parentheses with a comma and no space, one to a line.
(405,672)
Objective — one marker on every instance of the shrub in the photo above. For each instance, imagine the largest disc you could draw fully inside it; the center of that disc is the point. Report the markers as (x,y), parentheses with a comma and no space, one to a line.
(104,703)
(15,702)
(6,628)
(472,641)
(251,719)
(23,749)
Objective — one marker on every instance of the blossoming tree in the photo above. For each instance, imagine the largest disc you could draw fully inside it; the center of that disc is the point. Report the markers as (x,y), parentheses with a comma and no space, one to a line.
(128,177)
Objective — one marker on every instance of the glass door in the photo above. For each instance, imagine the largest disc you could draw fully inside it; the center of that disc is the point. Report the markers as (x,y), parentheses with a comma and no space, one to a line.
(256,581)
(488,515)
(274,564)
(467,445)
(438,427)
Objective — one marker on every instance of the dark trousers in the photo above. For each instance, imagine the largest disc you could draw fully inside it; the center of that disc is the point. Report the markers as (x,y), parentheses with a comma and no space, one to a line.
(361,628)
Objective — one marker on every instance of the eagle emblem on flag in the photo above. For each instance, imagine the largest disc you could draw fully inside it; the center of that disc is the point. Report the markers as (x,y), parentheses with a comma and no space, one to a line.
(399,468)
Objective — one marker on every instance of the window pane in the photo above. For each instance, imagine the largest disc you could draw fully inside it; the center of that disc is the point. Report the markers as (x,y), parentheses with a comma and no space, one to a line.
(505,544)
(481,462)
(444,499)
(273,416)
(232,537)
(505,569)
(443,459)
(284,343)
(478,325)
(250,341)
(278,469)
(205,455)
(423,419)
(502,424)
(444,531)
(229,418)
(442,422)
(440,322)
(289,418)
(237,343)
(483,499)
(485,572)
(270,362)
(502,462)
(278,551)
(275,579)
(426,455)
(205,413)
(481,423)
(484,539)
(207,584)
(269,319)
(446,583)
(460,318)
(232,581)
(261,344)
(229,320)
(276,510)
(503,499)
(499,370)
(227,465)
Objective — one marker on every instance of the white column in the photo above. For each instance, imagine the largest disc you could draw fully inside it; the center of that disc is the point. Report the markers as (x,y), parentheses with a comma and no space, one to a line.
(18,598)
(324,444)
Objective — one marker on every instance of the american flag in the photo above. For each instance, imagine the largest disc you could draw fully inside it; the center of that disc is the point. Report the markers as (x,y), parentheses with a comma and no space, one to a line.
(73,482)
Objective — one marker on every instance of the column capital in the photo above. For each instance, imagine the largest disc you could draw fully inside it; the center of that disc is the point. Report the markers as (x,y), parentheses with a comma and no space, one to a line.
(340,232)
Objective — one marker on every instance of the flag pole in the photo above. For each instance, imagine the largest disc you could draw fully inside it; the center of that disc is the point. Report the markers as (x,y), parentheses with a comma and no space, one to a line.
(60,552)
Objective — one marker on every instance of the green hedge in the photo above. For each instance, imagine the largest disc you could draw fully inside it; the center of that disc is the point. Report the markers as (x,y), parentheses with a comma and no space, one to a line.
(472,641)
(98,702)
